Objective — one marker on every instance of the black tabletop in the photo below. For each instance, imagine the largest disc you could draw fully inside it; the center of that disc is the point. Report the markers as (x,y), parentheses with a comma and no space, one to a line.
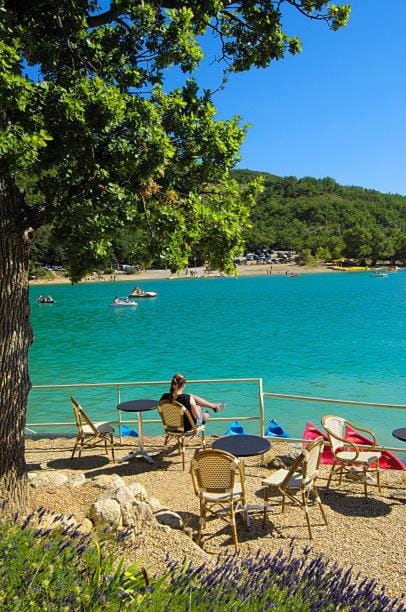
(138,405)
(400,433)
(242,446)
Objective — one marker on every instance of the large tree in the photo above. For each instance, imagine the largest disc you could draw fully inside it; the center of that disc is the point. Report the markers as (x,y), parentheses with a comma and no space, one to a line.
(97,142)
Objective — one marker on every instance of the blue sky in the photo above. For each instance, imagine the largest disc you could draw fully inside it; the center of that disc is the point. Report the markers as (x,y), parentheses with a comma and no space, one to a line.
(338,109)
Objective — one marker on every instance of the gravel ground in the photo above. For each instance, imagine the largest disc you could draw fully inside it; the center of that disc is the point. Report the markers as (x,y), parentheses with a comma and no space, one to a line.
(369,535)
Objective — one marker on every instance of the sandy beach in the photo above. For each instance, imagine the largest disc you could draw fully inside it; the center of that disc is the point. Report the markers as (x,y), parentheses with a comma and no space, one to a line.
(198,272)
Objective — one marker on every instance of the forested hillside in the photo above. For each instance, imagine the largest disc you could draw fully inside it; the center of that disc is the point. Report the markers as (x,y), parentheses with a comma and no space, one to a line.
(327,219)
(318,218)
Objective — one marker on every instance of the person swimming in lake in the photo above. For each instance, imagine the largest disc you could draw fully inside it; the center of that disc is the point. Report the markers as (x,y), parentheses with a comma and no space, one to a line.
(193,403)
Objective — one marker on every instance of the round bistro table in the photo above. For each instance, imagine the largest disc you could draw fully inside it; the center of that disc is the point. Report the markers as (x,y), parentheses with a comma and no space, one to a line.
(400,434)
(244,446)
(140,406)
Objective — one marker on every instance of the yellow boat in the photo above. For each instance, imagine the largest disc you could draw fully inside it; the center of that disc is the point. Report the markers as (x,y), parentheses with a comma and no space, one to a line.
(350,268)
(339,265)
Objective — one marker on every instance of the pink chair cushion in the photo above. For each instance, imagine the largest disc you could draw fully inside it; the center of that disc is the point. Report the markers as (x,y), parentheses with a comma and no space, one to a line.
(388,461)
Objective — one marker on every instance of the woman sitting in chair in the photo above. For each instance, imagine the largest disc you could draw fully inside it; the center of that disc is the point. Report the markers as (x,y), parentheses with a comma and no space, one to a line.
(193,403)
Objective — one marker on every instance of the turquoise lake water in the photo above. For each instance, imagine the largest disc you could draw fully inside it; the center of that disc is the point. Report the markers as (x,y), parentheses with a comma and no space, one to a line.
(338,336)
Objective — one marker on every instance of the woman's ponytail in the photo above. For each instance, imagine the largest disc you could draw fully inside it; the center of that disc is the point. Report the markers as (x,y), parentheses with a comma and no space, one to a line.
(177,382)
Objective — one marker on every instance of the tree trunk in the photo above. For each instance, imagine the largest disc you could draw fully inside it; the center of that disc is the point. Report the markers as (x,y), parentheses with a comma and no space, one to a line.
(15,340)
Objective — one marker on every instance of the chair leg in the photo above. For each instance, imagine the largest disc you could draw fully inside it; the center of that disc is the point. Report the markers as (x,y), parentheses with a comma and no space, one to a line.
(364,471)
(341,474)
(183,452)
(165,447)
(331,474)
(75,447)
(283,502)
(233,526)
(203,439)
(112,447)
(306,510)
(318,501)
(378,478)
(202,521)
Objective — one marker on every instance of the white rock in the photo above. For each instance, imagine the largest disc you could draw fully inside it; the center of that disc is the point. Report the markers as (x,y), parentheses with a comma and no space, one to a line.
(139,491)
(155,503)
(170,518)
(124,496)
(127,501)
(108,481)
(77,481)
(106,511)
(49,479)
(85,526)
(143,512)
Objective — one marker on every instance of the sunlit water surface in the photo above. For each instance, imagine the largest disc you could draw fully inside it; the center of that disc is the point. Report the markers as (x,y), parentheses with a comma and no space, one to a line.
(326,335)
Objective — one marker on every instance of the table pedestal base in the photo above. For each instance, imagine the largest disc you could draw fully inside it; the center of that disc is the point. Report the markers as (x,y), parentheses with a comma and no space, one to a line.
(135,454)
(399,495)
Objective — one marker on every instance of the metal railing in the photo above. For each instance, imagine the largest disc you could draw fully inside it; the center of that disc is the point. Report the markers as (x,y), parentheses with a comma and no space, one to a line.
(259,417)
(340,402)
(118,386)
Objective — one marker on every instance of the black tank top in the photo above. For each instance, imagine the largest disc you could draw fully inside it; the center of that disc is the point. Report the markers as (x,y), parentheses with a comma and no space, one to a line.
(184,399)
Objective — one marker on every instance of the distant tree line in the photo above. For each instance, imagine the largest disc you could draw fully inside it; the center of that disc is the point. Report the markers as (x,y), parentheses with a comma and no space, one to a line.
(321,219)
(318,218)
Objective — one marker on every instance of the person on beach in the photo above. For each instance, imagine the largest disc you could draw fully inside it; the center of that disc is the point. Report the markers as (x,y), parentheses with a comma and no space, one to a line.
(193,403)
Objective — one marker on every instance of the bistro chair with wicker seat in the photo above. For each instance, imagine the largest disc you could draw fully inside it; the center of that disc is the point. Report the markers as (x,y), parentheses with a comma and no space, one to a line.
(176,419)
(220,493)
(348,457)
(300,478)
(91,434)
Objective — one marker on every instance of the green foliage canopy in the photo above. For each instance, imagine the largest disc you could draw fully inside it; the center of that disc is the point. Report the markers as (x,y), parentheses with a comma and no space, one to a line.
(97,144)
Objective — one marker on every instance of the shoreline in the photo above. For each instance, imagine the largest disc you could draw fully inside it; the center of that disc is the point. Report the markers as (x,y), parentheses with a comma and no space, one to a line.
(165,274)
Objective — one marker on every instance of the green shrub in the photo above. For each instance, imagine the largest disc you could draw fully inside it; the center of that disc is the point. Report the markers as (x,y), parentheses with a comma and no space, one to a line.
(42,273)
(41,569)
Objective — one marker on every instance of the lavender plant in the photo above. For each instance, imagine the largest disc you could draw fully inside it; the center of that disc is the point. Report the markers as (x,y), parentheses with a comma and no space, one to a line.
(281,581)
(46,569)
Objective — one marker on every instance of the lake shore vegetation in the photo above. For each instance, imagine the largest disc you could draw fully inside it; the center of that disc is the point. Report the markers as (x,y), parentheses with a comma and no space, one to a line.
(318,219)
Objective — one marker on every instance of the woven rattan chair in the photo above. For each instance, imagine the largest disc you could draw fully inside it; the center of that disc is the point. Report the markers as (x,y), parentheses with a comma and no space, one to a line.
(300,478)
(91,434)
(173,416)
(221,495)
(347,455)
